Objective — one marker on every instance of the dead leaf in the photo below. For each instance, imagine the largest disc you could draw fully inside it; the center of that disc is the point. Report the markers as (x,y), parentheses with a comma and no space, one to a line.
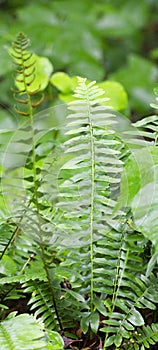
(69,341)
(79,332)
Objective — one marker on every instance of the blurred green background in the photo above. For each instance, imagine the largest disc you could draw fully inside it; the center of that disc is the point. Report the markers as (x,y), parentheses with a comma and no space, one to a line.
(101,40)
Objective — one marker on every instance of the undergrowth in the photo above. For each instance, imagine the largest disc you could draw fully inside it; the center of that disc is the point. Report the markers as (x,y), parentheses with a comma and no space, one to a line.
(69,242)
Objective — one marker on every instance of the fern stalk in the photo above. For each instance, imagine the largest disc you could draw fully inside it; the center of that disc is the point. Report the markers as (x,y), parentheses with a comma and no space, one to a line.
(92,201)
(9,243)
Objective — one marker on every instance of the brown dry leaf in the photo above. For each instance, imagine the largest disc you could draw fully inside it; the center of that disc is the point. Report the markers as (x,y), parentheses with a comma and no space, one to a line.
(79,333)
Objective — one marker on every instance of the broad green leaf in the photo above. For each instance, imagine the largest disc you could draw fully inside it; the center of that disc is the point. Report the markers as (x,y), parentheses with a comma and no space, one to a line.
(56,341)
(139,170)
(7,266)
(145,209)
(22,332)
(116,93)
(43,71)
(63,82)
(66,98)
(152,263)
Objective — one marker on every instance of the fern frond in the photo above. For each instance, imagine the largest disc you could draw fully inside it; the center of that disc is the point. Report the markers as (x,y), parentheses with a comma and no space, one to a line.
(41,302)
(131,291)
(144,337)
(24,161)
(93,164)
(155,105)
(26,70)
(22,332)
(88,183)
(148,126)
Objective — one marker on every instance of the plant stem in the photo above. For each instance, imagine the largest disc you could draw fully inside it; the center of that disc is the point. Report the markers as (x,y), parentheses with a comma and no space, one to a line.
(92,201)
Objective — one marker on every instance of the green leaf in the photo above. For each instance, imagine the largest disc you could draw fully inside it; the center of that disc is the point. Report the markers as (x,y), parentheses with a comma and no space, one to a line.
(94,321)
(110,340)
(139,170)
(7,266)
(56,341)
(118,340)
(116,93)
(85,322)
(152,263)
(145,209)
(116,22)
(66,98)
(136,318)
(75,295)
(63,82)
(43,70)
(145,336)
(139,86)
(22,332)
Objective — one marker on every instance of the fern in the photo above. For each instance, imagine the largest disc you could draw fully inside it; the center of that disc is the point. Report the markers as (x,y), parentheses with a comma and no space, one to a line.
(148,126)
(146,336)
(89,171)
(105,249)
(25,332)
(25,76)
(41,302)
(21,332)
(79,259)
(94,159)
(26,200)
(154,105)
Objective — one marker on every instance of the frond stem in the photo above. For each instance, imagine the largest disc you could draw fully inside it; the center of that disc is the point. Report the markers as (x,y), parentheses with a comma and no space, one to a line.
(92,202)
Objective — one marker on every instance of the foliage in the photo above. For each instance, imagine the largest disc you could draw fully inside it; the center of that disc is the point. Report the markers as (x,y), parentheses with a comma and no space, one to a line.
(24,332)
(107,42)
(112,90)
(71,243)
